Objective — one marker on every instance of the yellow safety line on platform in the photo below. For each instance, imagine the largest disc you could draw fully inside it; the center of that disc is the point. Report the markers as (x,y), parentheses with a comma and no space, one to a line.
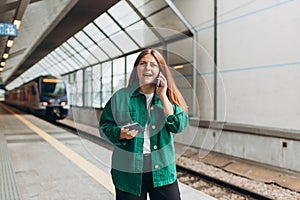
(96,173)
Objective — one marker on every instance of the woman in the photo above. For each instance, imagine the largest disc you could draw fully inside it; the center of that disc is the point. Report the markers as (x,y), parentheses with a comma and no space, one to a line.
(144,162)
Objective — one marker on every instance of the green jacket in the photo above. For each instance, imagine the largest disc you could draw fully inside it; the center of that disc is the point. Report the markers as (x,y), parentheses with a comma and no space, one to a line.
(128,105)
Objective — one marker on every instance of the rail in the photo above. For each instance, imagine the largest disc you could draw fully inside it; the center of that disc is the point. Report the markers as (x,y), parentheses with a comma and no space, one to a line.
(224,184)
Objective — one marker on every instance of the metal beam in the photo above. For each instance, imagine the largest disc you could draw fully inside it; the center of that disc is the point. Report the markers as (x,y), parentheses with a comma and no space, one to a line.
(21,9)
(215,60)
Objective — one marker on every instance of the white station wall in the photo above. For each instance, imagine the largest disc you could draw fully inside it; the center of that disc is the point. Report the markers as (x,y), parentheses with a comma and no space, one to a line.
(258,60)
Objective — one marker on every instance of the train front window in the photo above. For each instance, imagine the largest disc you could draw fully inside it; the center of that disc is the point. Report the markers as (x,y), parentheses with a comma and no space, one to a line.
(53,88)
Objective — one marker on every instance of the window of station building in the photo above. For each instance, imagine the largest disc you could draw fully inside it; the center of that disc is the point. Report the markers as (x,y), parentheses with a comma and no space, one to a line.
(93,31)
(180,57)
(72,63)
(83,39)
(124,42)
(30,74)
(98,53)
(96,76)
(70,81)
(107,24)
(58,59)
(65,66)
(38,70)
(53,66)
(86,42)
(110,48)
(71,86)
(80,60)
(67,49)
(118,71)
(71,78)
(88,57)
(142,34)
(147,8)
(61,53)
(106,72)
(77,63)
(66,57)
(77,89)
(47,64)
(130,59)
(171,23)
(59,62)
(88,87)
(74,48)
(75,44)
(93,57)
(124,14)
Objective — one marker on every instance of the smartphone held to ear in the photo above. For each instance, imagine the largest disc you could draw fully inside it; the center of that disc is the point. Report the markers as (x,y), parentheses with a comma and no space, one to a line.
(158,81)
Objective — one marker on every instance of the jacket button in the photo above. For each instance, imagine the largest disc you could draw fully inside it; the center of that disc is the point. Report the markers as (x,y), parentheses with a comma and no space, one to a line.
(153,127)
(156,166)
(154,147)
(152,108)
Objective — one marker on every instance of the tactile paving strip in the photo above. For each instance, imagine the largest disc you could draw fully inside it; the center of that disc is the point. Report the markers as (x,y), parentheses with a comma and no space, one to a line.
(8,184)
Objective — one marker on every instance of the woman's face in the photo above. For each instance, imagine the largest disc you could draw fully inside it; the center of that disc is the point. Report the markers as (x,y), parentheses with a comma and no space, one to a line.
(147,70)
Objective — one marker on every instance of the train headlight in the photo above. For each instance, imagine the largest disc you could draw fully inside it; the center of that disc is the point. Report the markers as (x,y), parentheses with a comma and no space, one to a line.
(44,103)
(63,103)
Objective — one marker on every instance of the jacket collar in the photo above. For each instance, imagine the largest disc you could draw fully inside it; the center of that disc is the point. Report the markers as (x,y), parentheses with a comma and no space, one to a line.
(135,91)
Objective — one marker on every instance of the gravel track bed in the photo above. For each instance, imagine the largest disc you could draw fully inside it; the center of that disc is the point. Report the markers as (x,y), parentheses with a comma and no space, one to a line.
(270,190)
(208,188)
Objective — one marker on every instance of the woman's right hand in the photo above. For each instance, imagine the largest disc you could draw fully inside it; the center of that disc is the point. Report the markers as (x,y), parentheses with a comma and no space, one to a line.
(127,134)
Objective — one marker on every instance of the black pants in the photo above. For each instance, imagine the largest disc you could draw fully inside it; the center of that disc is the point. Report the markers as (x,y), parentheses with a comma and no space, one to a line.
(167,192)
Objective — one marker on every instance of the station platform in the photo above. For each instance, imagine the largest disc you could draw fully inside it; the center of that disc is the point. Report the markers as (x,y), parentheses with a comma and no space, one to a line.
(42,161)
(245,168)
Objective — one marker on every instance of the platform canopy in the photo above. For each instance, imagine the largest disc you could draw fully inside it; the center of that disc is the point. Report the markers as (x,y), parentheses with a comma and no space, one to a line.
(61,36)
(44,25)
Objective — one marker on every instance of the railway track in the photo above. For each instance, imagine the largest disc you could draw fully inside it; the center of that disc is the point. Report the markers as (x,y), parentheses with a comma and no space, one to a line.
(223,184)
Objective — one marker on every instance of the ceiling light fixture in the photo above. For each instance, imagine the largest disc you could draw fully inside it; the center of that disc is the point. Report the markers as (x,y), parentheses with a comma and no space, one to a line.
(178,67)
(2,64)
(17,23)
(9,43)
(5,55)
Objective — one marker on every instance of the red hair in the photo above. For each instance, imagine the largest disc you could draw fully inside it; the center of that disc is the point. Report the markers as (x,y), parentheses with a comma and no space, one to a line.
(172,92)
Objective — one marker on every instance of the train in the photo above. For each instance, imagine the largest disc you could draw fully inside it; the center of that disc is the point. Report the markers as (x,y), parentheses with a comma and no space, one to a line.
(45,96)
(2,91)
(2,95)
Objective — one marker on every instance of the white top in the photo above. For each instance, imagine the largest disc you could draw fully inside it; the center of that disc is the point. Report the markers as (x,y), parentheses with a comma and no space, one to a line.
(146,146)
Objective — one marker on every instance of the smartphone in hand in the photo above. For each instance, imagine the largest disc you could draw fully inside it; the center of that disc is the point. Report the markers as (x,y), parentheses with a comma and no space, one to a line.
(158,82)
(134,126)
